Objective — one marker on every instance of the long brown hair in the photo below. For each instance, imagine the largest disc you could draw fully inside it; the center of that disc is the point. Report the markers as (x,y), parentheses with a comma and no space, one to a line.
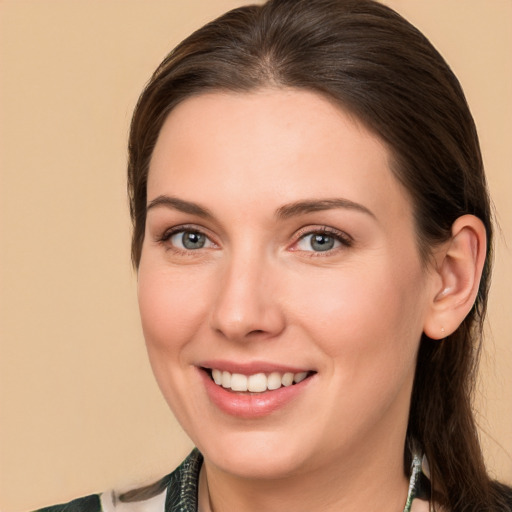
(375,64)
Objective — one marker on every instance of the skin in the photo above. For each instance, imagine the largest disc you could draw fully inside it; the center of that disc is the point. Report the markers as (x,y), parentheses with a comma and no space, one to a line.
(257,291)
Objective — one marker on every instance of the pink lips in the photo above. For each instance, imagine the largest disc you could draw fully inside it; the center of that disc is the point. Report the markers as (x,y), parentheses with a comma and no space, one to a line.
(250,405)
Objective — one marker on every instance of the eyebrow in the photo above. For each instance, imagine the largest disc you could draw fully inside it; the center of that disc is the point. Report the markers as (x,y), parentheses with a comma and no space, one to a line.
(284,212)
(180,205)
(310,206)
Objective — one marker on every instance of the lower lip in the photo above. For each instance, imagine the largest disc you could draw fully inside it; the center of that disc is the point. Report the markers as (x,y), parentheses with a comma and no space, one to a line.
(251,405)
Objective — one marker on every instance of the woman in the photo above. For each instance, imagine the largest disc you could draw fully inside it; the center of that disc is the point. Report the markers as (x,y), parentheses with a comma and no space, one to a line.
(312,236)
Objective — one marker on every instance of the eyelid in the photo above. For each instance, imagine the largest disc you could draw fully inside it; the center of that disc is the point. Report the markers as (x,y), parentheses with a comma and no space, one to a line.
(341,236)
(166,235)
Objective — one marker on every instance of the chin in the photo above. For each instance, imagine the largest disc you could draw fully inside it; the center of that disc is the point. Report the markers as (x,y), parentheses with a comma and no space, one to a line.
(259,455)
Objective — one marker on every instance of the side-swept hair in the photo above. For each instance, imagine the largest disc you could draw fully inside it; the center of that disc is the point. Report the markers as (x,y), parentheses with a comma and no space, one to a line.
(376,65)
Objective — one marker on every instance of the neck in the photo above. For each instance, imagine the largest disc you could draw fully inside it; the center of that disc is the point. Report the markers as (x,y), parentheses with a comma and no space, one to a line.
(366,480)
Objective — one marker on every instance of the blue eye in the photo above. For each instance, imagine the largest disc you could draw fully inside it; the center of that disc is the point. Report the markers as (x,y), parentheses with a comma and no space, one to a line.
(189,240)
(318,242)
(323,241)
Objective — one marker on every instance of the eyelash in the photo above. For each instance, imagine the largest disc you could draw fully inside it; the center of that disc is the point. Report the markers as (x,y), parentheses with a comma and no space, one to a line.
(164,239)
(344,239)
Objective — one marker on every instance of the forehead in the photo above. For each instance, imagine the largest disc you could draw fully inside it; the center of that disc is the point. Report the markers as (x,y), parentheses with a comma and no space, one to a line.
(272,143)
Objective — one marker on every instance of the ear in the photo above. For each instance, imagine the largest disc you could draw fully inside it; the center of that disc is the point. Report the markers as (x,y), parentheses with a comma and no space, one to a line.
(456,277)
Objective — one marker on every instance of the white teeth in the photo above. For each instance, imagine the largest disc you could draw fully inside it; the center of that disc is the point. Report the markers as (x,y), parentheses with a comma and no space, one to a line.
(256,383)
(287,379)
(274,381)
(299,377)
(238,382)
(226,379)
(217,377)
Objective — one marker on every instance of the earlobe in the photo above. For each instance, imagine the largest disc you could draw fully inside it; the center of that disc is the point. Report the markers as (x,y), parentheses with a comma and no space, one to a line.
(456,277)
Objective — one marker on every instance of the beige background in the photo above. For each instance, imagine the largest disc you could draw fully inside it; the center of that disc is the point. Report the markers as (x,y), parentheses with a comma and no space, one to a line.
(79,411)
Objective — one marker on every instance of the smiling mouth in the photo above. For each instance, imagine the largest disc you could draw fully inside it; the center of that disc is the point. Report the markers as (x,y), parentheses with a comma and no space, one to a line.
(257,382)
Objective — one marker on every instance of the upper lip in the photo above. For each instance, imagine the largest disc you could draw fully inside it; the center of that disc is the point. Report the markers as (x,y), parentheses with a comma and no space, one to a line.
(251,368)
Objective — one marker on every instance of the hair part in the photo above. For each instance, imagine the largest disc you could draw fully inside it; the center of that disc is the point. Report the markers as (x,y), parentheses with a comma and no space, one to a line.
(378,67)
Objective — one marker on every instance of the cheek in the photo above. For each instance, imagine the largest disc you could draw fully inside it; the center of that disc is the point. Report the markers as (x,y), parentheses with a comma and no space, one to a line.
(367,318)
(171,308)
(171,305)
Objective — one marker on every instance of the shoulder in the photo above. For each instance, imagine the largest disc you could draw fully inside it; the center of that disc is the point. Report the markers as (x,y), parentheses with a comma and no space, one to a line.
(175,492)
(111,502)
(89,503)
(420,506)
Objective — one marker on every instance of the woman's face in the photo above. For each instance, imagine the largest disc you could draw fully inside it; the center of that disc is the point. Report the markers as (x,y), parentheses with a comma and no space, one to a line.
(279,245)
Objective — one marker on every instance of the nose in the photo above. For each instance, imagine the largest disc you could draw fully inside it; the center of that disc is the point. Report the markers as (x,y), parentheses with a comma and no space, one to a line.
(246,306)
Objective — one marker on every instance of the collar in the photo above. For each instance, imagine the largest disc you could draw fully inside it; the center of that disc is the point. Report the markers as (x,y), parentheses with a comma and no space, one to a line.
(182,488)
